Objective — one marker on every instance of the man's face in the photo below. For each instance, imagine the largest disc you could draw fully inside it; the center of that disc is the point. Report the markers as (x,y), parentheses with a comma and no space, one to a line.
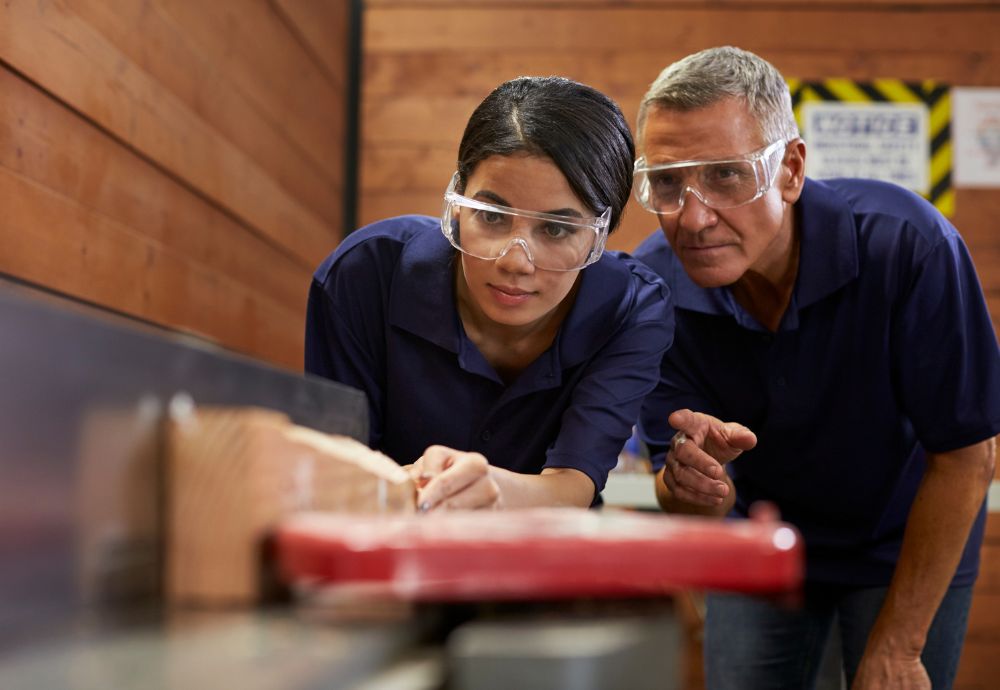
(718,247)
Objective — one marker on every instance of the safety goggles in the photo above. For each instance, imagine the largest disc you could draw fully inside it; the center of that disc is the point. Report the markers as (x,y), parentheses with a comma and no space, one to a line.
(552,242)
(718,184)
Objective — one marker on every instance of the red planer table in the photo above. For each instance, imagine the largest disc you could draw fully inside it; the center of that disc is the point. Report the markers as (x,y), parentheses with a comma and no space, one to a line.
(538,554)
(535,570)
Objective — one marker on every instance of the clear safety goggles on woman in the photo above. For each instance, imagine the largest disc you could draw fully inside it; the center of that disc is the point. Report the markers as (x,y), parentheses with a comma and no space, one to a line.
(552,242)
(719,184)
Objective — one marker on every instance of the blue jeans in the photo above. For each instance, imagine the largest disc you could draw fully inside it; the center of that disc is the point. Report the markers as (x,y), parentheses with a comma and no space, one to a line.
(753,643)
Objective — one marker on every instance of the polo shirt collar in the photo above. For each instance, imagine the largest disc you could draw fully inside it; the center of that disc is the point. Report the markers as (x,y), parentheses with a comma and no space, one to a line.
(828,258)
(604,289)
(421,299)
(829,243)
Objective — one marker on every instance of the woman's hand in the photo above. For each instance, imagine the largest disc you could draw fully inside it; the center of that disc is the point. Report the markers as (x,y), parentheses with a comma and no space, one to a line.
(449,479)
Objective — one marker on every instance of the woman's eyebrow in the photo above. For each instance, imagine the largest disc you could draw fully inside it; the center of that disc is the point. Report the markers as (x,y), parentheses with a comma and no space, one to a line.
(493,198)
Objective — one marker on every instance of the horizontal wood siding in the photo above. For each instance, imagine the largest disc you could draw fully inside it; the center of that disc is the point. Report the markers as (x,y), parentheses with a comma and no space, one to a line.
(176,160)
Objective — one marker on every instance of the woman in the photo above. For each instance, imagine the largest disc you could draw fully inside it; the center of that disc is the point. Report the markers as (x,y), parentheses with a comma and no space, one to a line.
(503,354)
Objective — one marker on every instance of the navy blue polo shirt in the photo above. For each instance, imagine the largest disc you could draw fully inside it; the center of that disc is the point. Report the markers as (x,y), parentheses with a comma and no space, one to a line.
(885,351)
(382,318)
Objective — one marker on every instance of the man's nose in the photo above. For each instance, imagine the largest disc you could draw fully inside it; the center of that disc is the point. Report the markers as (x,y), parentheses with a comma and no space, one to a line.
(695,214)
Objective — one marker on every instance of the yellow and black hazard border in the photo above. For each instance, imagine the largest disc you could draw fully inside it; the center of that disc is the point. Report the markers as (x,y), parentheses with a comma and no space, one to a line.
(934,95)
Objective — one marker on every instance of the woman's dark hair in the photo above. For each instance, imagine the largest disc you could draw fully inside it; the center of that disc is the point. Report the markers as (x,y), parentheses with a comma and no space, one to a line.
(579,128)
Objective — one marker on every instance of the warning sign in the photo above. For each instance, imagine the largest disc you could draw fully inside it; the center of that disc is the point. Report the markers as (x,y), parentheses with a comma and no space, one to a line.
(876,140)
(885,129)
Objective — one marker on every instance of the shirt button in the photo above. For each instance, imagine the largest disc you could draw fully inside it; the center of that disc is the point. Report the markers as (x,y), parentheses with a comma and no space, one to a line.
(486,435)
(781,381)
(766,339)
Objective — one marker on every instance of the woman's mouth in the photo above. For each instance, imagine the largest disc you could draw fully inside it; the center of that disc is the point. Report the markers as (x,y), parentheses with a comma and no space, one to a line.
(509,295)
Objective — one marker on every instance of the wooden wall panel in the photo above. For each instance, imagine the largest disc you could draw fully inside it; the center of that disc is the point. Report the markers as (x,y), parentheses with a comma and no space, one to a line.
(426,67)
(323,27)
(175,160)
(980,665)
(150,38)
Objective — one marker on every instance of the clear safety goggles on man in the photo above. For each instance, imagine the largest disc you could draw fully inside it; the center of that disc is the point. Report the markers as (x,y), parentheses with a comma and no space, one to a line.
(552,242)
(718,184)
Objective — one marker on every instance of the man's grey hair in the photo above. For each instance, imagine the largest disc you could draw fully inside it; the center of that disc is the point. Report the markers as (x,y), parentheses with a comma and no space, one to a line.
(707,77)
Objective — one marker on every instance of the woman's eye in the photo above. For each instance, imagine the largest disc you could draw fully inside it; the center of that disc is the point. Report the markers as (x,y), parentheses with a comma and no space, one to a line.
(557,231)
(491,217)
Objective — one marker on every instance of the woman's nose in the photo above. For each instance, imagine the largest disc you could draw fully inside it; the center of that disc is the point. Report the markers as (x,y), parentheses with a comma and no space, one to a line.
(516,256)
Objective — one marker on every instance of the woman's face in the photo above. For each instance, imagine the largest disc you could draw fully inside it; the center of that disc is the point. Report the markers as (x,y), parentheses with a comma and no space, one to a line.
(510,290)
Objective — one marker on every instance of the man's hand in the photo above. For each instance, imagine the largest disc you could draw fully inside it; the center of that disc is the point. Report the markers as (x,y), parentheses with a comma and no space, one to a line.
(884,671)
(450,479)
(694,471)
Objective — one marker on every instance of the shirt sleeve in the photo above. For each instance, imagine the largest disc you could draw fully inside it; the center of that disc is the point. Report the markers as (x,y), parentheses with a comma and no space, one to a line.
(345,329)
(947,366)
(606,399)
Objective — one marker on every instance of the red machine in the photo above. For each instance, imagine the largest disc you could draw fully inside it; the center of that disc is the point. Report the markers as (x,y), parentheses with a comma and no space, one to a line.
(551,553)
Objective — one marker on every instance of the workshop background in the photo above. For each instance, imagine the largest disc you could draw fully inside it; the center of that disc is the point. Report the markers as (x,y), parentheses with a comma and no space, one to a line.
(189,163)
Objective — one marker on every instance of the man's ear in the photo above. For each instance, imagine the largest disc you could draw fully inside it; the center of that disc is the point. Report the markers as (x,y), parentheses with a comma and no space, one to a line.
(793,174)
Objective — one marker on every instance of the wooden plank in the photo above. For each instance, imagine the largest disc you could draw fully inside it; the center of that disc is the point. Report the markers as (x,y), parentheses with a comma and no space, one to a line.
(156,45)
(44,142)
(976,211)
(626,72)
(992,534)
(637,224)
(376,206)
(461,29)
(52,241)
(283,80)
(989,569)
(438,120)
(840,4)
(236,473)
(57,49)
(416,117)
(979,667)
(984,616)
(324,28)
(408,167)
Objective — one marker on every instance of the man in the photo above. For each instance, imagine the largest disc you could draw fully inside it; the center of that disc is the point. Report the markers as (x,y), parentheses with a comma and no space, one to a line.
(833,336)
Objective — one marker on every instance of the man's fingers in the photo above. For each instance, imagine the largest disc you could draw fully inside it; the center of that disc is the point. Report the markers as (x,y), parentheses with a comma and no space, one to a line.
(686,493)
(682,419)
(684,478)
(690,455)
(738,436)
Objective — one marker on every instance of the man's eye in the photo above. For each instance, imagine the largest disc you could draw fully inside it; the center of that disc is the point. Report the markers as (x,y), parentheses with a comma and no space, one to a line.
(663,181)
(727,174)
